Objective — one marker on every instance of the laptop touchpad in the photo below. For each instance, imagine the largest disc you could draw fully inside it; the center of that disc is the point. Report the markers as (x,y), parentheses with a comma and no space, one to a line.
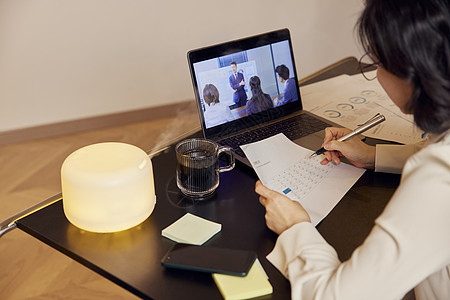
(313,141)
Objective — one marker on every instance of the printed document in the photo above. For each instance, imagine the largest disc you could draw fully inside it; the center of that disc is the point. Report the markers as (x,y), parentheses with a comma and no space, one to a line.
(287,168)
(351,100)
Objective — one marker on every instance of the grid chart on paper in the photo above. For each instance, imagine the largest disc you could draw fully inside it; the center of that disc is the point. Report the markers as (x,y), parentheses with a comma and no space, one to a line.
(298,180)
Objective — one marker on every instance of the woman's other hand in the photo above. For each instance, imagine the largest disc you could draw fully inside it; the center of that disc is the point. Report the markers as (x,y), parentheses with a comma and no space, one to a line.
(281,212)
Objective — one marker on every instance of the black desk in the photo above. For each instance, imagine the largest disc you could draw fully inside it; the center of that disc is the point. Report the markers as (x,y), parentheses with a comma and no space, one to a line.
(131,258)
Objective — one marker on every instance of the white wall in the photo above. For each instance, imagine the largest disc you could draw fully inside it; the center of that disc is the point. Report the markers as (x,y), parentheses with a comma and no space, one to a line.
(62,60)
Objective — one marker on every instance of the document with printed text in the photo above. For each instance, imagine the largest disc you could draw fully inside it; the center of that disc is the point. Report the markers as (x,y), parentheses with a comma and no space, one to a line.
(351,100)
(287,168)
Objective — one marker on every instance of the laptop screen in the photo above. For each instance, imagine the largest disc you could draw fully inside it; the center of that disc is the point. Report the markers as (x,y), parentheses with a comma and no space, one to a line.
(243,83)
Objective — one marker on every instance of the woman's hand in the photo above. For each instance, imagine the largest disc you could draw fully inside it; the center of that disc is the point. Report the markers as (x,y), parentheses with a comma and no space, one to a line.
(356,151)
(281,212)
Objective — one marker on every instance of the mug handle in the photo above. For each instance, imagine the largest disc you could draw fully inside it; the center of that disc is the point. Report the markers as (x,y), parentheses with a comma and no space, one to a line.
(230,152)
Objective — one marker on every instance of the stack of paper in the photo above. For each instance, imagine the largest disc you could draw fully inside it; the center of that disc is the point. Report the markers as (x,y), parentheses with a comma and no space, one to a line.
(287,168)
(255,284)
(191,229)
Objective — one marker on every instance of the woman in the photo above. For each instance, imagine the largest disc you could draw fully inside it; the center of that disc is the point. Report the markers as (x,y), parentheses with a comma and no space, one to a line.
(259,101)
(216,113)
(409,246)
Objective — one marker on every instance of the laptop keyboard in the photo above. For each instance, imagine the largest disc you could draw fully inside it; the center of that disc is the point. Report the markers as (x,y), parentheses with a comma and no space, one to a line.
(294,127)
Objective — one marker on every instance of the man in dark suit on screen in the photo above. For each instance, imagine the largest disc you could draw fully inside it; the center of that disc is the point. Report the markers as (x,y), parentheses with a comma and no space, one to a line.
(237,83)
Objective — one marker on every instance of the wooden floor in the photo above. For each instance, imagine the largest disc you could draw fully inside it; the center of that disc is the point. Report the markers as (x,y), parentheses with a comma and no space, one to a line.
(29,173)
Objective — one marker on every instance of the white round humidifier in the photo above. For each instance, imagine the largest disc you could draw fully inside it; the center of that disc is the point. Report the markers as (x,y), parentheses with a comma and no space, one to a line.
(107,187)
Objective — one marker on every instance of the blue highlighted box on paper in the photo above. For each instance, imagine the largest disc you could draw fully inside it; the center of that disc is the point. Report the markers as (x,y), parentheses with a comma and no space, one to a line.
(286,191)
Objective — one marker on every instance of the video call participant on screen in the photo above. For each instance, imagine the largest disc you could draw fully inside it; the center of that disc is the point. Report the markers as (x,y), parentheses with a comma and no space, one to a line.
(216,113)
(289,93)
(237,83)
(259,101)
(409,245)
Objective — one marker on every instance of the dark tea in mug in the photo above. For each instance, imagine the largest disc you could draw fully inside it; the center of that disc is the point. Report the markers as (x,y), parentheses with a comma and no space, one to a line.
(198,166)
(198,178)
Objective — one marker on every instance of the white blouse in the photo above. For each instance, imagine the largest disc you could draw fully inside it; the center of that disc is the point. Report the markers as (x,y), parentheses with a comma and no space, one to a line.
(408,247)
(216,114)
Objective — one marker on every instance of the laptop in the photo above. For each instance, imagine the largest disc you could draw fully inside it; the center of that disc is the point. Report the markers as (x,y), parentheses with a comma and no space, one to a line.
(244,93)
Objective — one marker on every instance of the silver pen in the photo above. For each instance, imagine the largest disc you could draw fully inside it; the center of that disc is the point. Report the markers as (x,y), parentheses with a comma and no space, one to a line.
(375,120)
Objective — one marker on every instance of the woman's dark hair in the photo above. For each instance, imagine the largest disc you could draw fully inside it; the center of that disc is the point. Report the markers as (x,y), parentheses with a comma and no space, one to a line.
(255,86)
(411,39)
(257,93)
(259,101)
(210,94)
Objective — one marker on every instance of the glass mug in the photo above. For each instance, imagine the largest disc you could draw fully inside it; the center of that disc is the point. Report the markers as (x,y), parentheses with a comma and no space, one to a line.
(198,166)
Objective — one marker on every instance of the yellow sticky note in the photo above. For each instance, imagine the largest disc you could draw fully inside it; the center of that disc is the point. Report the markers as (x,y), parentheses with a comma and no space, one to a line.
(255,284)
(191,229)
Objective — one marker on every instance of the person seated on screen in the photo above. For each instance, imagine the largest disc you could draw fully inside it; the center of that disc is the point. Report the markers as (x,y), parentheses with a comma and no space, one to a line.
(216,113)
(259,101)
(290,86)
(409,245)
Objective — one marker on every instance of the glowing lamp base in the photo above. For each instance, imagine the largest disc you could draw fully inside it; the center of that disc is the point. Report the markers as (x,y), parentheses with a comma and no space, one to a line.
(107,187)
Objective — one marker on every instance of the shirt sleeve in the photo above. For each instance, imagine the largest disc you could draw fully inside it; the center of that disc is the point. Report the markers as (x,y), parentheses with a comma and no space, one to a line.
(409,242)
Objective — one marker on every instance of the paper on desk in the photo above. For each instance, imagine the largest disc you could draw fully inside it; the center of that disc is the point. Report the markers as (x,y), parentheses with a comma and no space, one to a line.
(191,229)
(285,167)
(253,285)
(351,100)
